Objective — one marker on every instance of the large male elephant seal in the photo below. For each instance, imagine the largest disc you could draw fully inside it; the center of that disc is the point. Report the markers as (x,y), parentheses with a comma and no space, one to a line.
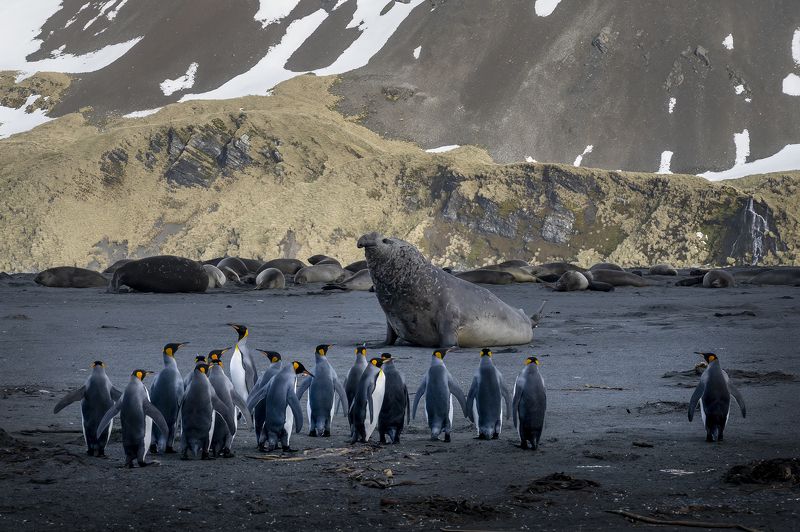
(70,277)
(426,306)
(164,273)
(778,276)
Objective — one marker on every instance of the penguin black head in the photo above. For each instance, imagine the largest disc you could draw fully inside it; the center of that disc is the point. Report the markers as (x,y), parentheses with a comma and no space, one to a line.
(202,368)
(170,349)
(322,349)
(532,360)
(199,358)
(141,373)
(486,352)
(98,363)
(386,357)
(710,357)
(440,353)
(241,329)
(215,356)
(273,356)
(377,362)
(361,350)
(300,369)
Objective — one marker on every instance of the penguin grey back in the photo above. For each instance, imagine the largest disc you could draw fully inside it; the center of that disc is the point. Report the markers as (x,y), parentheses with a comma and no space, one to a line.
(280,394)
(396,406)
(437,386)
(713,393)
(529,404)
(485,397)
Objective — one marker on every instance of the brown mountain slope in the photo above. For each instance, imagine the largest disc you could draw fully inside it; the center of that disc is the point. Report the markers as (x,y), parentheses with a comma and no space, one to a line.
(287,175)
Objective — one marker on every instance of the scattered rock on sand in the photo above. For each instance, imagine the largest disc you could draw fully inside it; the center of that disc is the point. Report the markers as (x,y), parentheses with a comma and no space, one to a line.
(776,471)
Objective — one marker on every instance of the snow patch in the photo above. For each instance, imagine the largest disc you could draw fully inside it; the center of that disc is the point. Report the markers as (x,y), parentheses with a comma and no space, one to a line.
(111,15)
(666,160)
(672,102)
(544,8)
(739,89)
(442,149)
(20,22)
(142,114)
(529,159)
(102,12)
(17,120)
(579,158)
(170,86)
(416,52)
(69,63)
(728,42)
(742,142)
(787,159)
(796,46)
(791,85)
(748,100)
(271,11)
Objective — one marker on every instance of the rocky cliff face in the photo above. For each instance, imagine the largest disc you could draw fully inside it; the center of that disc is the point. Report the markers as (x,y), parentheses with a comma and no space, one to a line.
(287,175)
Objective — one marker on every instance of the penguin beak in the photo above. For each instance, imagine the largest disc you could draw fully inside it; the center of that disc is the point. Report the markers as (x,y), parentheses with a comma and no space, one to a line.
(306,372)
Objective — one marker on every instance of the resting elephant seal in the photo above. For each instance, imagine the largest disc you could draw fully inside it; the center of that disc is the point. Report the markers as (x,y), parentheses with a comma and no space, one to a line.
(329,260)
(426,306)
(320,273)
(270,278)
(70,277)
(718,279)
(606,266)
(522,274)
(314,259)
(778,276)
(356,266)
(555,268)
(114,267)
(286,266)
(571,281)
(515,262)
(164,273)
(617,278)
(486,276)
(360,281)
(234,263)
(216,279)
(663,269)
(253,265)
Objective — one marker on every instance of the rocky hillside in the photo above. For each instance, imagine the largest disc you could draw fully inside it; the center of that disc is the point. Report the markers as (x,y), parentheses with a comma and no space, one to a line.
(288,175)
(640,85)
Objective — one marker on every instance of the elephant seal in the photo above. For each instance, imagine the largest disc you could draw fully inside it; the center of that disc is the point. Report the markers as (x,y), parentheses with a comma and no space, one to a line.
(718,279)
(270,278)
(234,263)
(286,266)
(778,276)
(427,306)
(663,269)
(163,273)
(253,265)
(360,281)
(486,276)
(571,281)
(329,260)
(356,266)
(314,259)
(70,277)
(320,273)
(617,278)
(522,274)
(216,279)
(514,263)
(555,268)
(606,266)
(114,267)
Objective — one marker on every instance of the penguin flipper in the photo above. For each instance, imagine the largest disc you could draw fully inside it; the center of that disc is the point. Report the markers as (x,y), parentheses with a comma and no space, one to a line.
(255,397)
(473,389)
(337,384)
(239,403)
(518,387)
(225,413)
(294,403)
(457,393)
(71,397)
(370,389)
(116,393)
(506,397)
(698,393)
(420,392)
(304,385)
(158,418)
(113,411)
(408,404)
(739,399)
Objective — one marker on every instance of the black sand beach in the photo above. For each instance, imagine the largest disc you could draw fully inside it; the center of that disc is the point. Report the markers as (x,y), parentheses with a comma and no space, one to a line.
(619,369)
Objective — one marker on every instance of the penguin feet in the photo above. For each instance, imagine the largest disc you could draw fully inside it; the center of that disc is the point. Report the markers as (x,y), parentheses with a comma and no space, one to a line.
(153,448)
(145,464)
(90,452)
(447,438)
(326,433)
(226,453)
(206,456)
(288,449)
(170,450)
(495,436)
(101,454)
(523,444)
(312,433)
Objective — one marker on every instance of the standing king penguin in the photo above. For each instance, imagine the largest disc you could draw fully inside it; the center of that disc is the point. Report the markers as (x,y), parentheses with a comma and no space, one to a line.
(197,415)
(198,359)
(438,386)
(282,407)
(368,400)
(243,368)
(530,403)
(136,415)
(97,396)
(353,376)
(396,407)
(322,389)
(222,438)
(713,393)
(485,398)
(255,401)
(166,394)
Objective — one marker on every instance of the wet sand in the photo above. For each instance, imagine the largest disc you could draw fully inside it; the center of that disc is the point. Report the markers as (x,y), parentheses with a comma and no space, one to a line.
(618,368)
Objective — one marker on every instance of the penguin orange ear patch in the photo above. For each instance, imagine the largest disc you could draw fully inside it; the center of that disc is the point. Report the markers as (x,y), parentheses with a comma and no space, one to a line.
(296,365)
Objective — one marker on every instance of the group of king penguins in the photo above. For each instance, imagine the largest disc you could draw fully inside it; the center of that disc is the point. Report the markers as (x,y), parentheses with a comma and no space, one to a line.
(209,403)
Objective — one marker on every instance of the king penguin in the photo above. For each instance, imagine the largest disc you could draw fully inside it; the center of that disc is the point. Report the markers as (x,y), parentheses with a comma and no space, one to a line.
(322,390)
(243,368)
(166,393)
(396,407)
(136,415)
(255,401)
(197,415)
(97,396)
(530,403)
(714,395)
(366,408)
(485,398)
(438,386)
(198,359)
(282,408)
(222,438)
(351,382)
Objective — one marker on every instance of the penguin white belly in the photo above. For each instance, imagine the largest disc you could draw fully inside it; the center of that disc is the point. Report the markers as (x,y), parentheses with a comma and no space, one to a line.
(475,416)
(148,428)
(308,409)
(703,412)
(450,413)
(211,430)
(288,425)
(499,430)
(377,403)
(238,373)
(83,428)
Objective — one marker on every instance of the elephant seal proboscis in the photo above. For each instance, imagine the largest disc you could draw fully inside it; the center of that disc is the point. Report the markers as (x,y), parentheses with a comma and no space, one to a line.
(426,306)
(163,273)
(70,277)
